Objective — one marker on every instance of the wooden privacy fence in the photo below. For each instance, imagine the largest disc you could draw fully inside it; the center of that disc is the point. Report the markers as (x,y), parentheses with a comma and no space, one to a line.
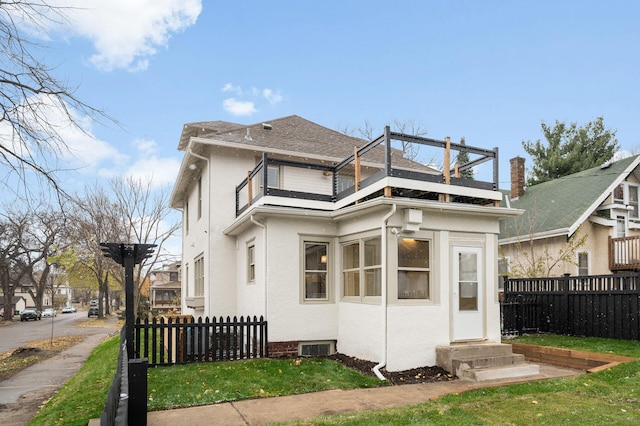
(592,306)
(180,340)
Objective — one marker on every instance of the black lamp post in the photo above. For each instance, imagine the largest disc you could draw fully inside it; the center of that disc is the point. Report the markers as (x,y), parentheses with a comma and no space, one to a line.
(128,255)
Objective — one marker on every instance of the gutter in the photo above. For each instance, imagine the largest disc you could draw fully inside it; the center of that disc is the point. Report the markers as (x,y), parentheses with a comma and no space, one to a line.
(190,152)
(383,297)
(264,251)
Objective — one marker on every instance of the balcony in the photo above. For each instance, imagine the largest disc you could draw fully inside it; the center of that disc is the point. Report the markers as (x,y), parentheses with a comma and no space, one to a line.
(624,254)
(376,169)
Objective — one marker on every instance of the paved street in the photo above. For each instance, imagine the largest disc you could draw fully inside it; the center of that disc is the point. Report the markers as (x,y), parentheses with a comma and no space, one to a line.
(16,334)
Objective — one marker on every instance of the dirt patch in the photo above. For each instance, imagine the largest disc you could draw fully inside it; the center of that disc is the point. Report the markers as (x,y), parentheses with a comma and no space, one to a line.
(415,375)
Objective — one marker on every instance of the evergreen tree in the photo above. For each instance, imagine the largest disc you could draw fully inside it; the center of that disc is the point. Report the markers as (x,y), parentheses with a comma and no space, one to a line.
(463,158)
(569,149)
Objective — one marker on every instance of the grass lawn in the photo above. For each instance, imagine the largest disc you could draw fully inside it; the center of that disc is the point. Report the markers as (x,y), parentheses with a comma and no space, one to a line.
(607,397)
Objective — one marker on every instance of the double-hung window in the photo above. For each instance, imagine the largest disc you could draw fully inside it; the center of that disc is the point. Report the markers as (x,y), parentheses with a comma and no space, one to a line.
(198,275)
(362,268)
(583,263)
(315,271)
(251,263)
(414,270)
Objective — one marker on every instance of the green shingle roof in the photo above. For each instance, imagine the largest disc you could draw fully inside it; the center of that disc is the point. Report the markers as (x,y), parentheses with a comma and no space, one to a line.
(561,205)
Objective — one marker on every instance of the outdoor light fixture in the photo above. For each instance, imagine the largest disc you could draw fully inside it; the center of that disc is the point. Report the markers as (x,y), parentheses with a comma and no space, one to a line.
(192,166)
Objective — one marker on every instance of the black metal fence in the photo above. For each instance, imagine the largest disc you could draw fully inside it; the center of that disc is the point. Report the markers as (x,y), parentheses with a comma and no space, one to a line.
(117,405)
(180,340)
(592,306)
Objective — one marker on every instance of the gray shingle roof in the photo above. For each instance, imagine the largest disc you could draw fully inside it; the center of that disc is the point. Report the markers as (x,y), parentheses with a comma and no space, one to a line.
(294,135)
(561,205)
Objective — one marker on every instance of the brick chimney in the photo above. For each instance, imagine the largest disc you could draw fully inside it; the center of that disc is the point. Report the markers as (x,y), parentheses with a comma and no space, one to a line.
(517,177)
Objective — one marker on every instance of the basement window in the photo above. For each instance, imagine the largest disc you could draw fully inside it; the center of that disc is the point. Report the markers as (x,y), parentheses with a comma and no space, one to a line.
(315,349)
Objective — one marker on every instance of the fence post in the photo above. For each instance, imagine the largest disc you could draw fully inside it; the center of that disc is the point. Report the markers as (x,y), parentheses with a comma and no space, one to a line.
(138,391)
(565,303)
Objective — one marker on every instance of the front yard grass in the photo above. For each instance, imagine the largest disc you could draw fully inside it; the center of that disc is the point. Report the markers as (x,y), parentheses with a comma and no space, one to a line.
(608,397)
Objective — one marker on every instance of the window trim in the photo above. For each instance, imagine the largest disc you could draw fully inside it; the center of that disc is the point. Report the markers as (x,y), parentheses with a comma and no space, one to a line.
(361,270)
(199,196)
(310,239)
(198,275)
(251,262)
(429,270)
(588,256)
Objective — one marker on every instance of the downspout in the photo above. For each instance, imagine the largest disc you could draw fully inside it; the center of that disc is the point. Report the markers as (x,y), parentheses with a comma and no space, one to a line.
(190,151)
(383,300)
(264,250)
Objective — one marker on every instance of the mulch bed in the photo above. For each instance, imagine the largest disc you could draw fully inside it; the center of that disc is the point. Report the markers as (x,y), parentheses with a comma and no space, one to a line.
(415,375)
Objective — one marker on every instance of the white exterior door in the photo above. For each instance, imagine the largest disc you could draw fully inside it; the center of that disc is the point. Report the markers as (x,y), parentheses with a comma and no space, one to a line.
(467,299)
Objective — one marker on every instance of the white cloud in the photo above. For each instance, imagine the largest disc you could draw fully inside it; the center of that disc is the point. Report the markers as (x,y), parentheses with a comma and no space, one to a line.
(146,146)
(239,106)
(158,171)
(126,33)
(271,96)
(236,107)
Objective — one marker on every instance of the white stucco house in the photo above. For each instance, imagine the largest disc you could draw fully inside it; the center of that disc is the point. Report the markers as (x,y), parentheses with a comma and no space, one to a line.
(349,247)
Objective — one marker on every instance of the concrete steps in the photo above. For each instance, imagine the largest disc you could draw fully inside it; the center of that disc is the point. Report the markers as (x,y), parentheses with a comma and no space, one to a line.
(484,361)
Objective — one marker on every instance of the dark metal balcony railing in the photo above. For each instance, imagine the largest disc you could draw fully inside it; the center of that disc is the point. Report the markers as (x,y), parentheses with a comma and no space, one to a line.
(624,253)
(376,159)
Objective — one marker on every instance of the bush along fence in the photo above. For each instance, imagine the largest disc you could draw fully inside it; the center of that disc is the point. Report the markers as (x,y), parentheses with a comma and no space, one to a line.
(182,339)
(592,306)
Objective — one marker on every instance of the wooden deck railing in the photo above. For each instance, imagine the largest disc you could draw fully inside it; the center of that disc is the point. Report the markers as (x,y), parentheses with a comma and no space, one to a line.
(624,253)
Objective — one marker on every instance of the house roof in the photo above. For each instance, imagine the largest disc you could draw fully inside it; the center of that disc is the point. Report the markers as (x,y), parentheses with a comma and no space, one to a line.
(291,135)
(560,206)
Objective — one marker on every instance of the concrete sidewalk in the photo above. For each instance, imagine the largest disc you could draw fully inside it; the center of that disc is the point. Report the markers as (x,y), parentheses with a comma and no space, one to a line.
(22,395)
(311,405)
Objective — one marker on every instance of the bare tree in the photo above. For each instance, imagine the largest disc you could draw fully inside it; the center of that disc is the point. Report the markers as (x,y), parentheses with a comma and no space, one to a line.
(146,215)
(12,262)
(368,132)
(35,105)
(532,258)
(96,220)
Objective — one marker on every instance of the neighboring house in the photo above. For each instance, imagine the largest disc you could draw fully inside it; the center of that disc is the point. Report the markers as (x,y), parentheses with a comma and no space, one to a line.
(592,215)
(18,303)
(165,288)
(348,247)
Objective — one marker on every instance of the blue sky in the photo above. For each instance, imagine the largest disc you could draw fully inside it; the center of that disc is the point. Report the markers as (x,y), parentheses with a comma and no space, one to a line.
(490,71)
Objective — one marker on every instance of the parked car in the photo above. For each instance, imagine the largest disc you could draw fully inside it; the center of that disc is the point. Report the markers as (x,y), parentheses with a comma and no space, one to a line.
(93,302)
(49,312)
(69,309)
(93,311)
(30,313)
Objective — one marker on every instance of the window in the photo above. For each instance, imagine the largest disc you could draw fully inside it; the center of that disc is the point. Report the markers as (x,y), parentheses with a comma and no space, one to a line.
(583,263)
(198,272)
(618,194)
(503,271)
(344,183)
(273,176)
(468,281)
(315,271)
(199,197)
(627,194)
(362,268)
(351,269)
(633,201)
(372,267)
(186,217)
(413,269)
(315,349)
(251,263)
